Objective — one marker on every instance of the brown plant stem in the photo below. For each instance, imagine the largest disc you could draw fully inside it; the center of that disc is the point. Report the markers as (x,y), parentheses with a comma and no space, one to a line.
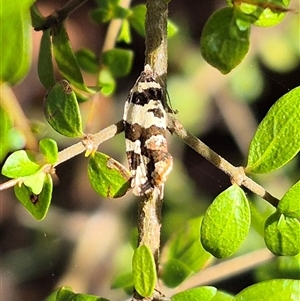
(236,174)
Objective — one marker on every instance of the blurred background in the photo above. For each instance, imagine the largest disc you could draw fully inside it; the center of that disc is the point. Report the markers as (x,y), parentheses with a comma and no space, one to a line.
(84,241)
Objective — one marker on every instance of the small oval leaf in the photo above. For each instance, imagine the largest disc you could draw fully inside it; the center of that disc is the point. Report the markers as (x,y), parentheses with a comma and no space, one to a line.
(18,164)
(35,182)
(37,205)
(16,40)
(45,64)
(137,18)
(107,176)
(87,60)
(277,139)
(62,111)
(175,272)
(48,148)
(282,234)
(226,222)
(204,293)
(185,254)
(271,290)
(66,60)
(289,205)
(119,61)
(223,44)
(144,271)
(106,82)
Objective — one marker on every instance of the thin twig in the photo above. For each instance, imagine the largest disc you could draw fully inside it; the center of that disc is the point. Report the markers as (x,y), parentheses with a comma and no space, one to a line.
(88,144)
(236,174)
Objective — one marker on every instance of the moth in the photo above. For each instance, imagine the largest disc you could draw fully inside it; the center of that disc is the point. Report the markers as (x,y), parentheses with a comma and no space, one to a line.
(145,125)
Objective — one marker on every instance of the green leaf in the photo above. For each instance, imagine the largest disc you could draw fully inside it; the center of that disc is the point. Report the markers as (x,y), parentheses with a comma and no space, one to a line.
(37,19)
(144,271)
(137,21)
(105,12)
(18,164)
(35,182)
(119,61)
(16,42)
(287,267)
(221,296)
(137,18)
(265,14)
(223,44)
(87,60)
(282,234)
(66,60)
(37,205)
(277,139)
(45,64)
(124,280)
(172,29)
(5,125)
(226,222)
(175,272)
(185,254)
(66,294)
(107,176)
(62,111)
(48,148)
(106,81)
(125,34)
(204,293)
(272,290)
(289,205)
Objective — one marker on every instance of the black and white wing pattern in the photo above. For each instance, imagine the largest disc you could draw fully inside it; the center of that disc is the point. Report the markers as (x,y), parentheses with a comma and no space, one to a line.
(145,124)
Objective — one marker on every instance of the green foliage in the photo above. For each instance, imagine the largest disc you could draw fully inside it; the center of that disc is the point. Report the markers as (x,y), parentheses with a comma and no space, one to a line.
(185,254)
(204,293)
(5,126)
(66,294)
(289,205)
(144,271)
(45,64)
(66,60)
(223,43)
(277,140)
(37,203)
(107,176)
(272,290)
(87,60)
(18,164)
(225,37)
(226,222)
(15,34)
(48,148)
(62,111)
(282,234)
(106,81)
(119,61)
(263,14)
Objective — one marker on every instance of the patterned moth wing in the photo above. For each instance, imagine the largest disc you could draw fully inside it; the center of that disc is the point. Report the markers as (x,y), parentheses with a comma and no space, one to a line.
(145,124)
